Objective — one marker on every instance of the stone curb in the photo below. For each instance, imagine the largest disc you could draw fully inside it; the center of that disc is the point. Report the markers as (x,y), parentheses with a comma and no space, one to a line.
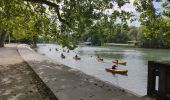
(43,88)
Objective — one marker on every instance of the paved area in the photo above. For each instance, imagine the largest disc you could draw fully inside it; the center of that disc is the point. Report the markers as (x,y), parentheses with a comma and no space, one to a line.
(16,82)
(70,84)
(9,55)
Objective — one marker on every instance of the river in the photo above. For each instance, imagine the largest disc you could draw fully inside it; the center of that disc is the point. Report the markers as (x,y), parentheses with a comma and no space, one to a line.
(137,59)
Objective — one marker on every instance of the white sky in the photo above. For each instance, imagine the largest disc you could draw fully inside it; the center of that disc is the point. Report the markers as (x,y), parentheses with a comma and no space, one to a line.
(131,8)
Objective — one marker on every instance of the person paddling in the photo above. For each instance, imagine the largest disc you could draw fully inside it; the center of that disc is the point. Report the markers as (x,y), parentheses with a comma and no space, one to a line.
(76,57)
(62,56)
(99,58)
(115,61)
(114,66)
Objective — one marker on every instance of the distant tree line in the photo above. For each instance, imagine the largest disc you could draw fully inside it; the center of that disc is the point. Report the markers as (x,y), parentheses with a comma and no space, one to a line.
(154,31)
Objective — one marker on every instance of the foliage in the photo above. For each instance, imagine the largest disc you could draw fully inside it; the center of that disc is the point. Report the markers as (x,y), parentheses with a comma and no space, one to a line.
(133,33)
(23,20)
(156,25)
(63,20)
(108,30)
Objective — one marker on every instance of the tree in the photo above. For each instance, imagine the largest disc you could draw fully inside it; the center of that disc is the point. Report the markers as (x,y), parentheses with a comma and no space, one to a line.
(133,33)
(166,8)
(155,23)
(65,20)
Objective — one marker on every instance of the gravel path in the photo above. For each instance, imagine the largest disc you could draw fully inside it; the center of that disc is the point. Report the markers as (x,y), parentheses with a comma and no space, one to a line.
(16,82)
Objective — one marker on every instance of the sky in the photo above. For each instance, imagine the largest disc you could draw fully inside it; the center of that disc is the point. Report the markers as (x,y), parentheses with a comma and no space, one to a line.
(131,8)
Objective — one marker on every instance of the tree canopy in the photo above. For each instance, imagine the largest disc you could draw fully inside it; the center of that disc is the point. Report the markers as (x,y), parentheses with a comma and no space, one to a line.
(71,21)
(156,23)
(63,20)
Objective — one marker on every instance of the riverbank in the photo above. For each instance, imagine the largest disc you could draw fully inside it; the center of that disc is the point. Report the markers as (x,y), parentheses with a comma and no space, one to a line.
(119,44)
(71,84)
(43,79)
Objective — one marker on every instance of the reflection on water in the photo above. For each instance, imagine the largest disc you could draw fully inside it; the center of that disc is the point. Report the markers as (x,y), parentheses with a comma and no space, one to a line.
(136,58)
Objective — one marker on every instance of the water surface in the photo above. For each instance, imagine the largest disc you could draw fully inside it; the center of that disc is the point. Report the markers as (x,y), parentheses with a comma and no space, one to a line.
(136,79)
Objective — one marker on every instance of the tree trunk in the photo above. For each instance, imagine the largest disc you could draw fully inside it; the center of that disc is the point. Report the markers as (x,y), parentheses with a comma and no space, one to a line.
(2,39)
(35,38)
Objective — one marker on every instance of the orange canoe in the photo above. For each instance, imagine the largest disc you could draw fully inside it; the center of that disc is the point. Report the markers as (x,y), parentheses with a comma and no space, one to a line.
(119,71)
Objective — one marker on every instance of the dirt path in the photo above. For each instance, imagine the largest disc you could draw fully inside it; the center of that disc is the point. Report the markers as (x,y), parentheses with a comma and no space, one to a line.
(16,82)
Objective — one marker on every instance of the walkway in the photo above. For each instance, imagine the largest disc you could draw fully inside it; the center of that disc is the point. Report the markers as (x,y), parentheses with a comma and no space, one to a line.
(16,82)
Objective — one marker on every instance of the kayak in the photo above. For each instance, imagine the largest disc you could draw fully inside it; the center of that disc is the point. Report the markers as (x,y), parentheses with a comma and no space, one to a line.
(63,57)
(119,71)
(120,62)
(99,59)
(76,58)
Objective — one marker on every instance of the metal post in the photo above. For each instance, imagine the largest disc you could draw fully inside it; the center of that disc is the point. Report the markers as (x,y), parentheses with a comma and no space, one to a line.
(162,83)
(151,79)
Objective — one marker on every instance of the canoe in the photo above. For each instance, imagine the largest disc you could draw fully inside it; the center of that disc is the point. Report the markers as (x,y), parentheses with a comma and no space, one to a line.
(76,58)
(120,62)
(119,71)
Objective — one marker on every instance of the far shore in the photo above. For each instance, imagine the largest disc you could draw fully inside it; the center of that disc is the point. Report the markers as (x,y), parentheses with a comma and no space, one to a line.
(120,44)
